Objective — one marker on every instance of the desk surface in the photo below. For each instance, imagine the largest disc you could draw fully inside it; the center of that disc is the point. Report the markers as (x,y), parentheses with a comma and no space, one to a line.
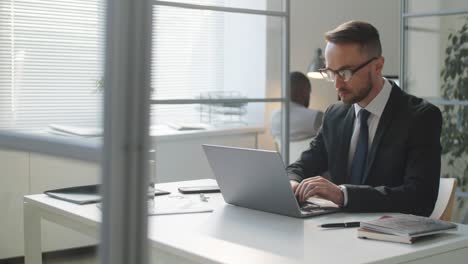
(89,148)
(163,132)
(237,235)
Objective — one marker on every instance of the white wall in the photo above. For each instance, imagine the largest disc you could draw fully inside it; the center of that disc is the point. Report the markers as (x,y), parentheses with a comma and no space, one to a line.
(244,59)
(310,19)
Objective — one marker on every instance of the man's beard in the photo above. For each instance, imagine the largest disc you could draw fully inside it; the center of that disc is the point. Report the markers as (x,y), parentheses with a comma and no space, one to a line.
(361,93)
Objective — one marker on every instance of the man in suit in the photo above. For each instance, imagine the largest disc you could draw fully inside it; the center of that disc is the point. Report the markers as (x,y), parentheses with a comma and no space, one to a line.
(304,122)
(379,146)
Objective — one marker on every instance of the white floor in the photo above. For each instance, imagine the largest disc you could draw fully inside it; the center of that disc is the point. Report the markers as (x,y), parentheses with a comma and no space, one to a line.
(71,259)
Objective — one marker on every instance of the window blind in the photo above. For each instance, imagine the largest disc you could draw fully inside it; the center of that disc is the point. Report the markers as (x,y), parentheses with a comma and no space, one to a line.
(51,59)
(188,59)
(51,54)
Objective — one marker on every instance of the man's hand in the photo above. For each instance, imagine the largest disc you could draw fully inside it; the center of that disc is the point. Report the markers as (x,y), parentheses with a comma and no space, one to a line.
(318,186)
(294,185)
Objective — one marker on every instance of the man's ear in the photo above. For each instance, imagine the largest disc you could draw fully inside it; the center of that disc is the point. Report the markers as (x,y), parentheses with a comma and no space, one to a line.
(379,65)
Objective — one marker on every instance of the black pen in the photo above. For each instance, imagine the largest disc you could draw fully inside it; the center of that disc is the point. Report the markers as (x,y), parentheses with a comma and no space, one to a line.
(348,224)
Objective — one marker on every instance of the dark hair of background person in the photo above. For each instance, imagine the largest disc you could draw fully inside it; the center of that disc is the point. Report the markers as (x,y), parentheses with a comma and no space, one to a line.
(358,32)
(300,88)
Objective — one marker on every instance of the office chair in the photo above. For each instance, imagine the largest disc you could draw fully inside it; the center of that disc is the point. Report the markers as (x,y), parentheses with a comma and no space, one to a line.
(295,148)
(445,200)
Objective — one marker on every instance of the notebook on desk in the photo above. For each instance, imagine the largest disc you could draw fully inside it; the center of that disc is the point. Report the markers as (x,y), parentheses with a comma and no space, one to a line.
(79,194)
(89,193)
(257,179)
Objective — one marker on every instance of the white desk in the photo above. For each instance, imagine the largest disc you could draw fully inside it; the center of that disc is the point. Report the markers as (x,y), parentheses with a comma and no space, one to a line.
(237,235)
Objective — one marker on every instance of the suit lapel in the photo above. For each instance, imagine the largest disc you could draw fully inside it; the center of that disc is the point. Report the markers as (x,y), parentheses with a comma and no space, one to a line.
(384,125)
(347,130)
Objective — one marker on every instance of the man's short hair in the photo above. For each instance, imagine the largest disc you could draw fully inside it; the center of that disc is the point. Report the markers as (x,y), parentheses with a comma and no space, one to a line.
(300,87)
(358,32)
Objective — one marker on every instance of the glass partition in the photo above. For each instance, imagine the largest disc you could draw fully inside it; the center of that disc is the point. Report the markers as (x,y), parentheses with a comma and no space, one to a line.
(215,74)
(51,107)
(435,67)
(209,56)
(425,74)
(435,6)
(263,5)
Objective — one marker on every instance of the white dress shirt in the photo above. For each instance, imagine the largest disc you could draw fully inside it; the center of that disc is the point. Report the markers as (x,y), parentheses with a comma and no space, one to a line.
(303,122)
(376,108)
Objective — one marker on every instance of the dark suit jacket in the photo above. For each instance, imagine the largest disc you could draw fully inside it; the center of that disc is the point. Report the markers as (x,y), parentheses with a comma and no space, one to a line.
(403,164)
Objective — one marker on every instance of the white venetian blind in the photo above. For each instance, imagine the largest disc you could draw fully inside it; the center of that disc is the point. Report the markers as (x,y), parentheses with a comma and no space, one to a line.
(188,58)
(51,56)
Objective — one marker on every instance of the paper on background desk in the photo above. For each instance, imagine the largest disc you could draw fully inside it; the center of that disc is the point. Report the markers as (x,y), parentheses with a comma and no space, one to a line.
(178,204)
(188,126)
(75,130)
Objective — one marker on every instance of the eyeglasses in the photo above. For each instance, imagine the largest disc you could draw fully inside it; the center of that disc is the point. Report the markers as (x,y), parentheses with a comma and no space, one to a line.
(346,74)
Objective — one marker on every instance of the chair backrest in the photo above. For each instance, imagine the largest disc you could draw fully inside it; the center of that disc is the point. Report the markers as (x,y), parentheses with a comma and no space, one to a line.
(295,148)
(445,200)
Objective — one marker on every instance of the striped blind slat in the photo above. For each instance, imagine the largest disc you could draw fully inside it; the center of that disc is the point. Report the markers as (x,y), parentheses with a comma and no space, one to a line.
(52,56)
(188,59)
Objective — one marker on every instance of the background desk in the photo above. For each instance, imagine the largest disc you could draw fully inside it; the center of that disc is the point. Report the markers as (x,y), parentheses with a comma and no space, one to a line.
(237,235)
(174,148)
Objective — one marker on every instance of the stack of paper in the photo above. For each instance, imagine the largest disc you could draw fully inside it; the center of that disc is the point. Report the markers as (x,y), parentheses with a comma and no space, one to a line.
(178,204)
(75,130)
(188,126)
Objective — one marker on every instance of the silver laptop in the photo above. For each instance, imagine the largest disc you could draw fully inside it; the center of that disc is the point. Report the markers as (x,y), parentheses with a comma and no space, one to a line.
(257,179)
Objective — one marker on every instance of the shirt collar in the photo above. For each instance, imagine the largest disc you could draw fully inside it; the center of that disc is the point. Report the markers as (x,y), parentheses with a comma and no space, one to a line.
(377,105)
(291,103)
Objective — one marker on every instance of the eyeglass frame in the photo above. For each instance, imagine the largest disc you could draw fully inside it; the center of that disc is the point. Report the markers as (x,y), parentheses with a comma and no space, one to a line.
(337,72)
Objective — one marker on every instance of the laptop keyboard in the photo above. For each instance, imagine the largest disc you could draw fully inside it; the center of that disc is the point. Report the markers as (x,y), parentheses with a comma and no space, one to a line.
(309,207)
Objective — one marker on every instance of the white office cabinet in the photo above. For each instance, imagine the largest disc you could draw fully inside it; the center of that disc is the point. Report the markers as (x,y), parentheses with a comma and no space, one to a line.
(183,159)
(14,178)
(49,172)
(25,173)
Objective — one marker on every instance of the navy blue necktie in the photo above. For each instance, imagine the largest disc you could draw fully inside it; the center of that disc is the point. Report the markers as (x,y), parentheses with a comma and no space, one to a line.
(360,156)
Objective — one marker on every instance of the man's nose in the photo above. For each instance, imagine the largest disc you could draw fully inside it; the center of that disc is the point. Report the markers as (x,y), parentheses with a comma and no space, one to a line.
(338,82)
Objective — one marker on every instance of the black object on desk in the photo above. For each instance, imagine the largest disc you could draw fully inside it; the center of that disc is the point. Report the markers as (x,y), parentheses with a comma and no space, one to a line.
(199,189)
(160,192)
(348,224)
(86,194)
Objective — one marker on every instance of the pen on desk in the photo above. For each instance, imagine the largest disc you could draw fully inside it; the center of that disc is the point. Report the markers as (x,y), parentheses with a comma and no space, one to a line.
(347,224)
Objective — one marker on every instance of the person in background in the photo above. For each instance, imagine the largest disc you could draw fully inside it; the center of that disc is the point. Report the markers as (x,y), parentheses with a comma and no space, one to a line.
(303,122)
(379,146)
